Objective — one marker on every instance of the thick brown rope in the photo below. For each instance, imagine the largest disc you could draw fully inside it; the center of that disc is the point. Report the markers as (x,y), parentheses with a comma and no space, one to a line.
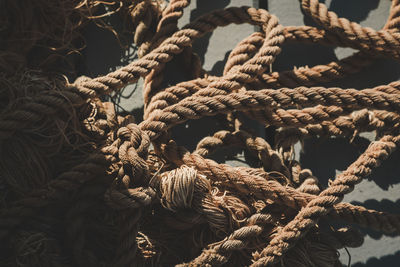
(127,194)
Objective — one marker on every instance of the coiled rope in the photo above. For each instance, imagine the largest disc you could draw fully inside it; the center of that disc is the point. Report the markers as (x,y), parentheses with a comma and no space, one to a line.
(85,186)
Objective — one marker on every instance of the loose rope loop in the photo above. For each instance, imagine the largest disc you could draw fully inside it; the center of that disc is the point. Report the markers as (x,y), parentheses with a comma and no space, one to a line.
(140,198)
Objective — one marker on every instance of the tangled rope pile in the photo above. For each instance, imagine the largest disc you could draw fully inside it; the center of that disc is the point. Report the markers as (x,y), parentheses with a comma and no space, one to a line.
(82,185)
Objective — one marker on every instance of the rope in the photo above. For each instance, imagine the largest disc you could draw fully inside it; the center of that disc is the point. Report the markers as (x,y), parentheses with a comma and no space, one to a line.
(84,185)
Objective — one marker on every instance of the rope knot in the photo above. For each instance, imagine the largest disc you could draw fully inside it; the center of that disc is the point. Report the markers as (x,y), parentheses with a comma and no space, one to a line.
(137,138)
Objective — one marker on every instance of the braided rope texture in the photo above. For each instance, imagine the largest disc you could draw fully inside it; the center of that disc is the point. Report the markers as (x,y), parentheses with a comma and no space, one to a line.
(84,185)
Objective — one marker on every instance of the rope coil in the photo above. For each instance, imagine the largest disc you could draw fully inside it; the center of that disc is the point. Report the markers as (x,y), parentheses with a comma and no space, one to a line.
(85,186)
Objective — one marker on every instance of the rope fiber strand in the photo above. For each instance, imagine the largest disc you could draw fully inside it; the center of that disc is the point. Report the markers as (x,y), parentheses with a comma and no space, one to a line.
(83,184)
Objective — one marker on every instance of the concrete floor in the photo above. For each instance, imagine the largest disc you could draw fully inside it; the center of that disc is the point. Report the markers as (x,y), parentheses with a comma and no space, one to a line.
(326,158)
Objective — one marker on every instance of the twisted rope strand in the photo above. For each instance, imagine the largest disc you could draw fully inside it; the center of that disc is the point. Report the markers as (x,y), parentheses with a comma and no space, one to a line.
(309,216)
(116,193)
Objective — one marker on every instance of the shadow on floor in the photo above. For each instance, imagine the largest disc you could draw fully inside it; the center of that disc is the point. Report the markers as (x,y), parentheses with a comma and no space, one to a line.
(388,260)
